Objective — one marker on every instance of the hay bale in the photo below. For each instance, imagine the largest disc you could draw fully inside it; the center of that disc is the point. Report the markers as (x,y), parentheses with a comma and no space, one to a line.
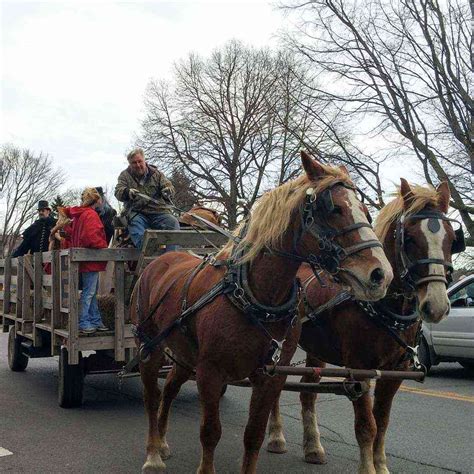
(106,305)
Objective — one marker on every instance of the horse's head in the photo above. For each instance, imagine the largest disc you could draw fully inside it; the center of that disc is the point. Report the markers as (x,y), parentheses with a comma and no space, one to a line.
(209,214)
(423,241)
(336,229)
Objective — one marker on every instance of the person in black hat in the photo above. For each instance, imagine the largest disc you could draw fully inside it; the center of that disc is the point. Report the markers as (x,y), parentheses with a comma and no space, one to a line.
(36,237)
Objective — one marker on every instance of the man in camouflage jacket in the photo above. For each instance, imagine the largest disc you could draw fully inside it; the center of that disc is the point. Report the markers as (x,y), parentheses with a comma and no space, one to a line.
(143,178)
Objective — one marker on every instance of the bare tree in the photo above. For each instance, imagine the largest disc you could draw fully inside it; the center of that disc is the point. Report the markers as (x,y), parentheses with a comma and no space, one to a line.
(184,197)
(408,66)
(230,123)
(27,178)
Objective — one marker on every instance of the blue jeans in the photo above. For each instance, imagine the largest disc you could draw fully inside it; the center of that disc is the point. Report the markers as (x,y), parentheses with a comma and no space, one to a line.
(140,222)
(89,315)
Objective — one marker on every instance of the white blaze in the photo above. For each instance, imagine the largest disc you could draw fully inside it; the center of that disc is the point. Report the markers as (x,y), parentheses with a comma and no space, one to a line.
(366,233)
(436,290)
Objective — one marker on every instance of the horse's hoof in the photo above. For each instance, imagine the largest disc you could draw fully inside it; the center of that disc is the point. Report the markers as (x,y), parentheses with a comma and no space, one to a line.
(165,452)
(277,446)
(316,457)
(203,470)
(382,470)
(153,465)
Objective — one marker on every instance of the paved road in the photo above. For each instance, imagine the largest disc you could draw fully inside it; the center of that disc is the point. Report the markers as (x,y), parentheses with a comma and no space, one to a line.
(432,427)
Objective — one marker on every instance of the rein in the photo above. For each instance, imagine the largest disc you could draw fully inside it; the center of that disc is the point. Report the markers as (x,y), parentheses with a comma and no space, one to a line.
(236,286)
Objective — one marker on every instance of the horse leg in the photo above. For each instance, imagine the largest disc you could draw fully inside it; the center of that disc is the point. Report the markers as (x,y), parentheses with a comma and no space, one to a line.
(151,396)
(210,384)
(175,379)
(365,430)
(385,390)
(313,450)
(276,438)
(265,393)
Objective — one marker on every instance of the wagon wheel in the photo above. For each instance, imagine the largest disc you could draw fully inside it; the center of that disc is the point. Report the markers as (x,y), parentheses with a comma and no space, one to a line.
(17,361)
(71,381)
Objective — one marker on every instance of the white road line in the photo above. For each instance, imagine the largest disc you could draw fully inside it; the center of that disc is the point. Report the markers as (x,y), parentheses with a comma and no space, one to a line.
(4,452)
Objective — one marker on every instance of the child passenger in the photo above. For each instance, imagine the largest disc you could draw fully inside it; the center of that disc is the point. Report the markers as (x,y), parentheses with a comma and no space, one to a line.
(88,232)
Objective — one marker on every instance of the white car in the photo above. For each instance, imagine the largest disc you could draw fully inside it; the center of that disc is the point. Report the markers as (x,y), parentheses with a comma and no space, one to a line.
(452,340)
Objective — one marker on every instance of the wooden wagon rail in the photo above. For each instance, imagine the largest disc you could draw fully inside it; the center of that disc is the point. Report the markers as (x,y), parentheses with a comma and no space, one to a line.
(43,306)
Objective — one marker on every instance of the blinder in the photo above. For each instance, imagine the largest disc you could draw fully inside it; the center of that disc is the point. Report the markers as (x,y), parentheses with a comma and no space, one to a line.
(459,243)
(325,203)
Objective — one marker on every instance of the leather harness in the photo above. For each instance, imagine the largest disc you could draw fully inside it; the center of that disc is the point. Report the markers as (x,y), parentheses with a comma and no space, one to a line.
(379,312)
(235,283)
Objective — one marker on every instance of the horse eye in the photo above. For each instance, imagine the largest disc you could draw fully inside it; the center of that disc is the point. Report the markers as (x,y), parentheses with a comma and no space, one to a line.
(337,210)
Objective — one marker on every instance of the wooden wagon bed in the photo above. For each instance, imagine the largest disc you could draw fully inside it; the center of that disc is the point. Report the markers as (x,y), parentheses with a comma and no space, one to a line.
(39,298)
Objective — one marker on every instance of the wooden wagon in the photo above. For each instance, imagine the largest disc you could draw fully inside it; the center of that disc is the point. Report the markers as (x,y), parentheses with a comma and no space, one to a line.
(39,307)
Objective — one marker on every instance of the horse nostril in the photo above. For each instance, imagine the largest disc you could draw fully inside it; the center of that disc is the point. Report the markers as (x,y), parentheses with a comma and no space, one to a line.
(426,308)
(377,276)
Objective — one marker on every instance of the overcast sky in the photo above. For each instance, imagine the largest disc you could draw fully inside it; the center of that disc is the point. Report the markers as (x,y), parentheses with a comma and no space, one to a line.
(74,73)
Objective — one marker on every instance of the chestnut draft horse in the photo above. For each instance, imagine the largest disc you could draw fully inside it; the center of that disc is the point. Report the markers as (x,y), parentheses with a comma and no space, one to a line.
(187,220)
(244,305)
(418,240)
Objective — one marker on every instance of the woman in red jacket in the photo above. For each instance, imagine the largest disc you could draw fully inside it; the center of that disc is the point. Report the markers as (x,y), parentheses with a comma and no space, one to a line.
(88,232)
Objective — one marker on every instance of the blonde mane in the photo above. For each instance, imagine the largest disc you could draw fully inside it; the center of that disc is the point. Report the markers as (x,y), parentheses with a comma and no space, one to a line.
(422,196)
(272,213)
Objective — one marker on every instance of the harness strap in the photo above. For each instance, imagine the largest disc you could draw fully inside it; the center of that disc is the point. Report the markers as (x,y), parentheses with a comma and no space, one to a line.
(189,280)
(428,261)
(332,303)
(351,227)
(368,244)
(149,346)
(430,278)
(410,352)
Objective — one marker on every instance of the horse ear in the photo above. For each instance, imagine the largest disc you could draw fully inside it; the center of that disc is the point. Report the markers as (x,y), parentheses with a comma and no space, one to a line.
(344,169)
(444,196)
(406,193)
(313,168)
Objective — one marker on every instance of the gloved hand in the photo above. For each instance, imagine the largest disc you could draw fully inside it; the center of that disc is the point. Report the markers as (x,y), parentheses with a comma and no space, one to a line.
(132,193)
(166,193)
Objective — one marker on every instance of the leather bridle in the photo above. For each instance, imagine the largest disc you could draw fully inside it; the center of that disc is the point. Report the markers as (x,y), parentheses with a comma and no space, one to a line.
(314,212)
(407,268)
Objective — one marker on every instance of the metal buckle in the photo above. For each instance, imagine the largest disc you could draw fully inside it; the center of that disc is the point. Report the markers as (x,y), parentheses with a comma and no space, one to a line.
(277,349)
(144,354)
(414,357)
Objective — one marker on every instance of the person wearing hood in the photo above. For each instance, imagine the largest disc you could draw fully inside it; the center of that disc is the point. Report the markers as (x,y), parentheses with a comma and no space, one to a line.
(88,232)
(35,237)
(106,213)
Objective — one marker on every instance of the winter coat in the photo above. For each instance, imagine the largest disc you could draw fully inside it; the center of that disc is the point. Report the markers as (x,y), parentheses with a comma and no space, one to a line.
(107,214)
(87,232)
(64,244)
(153,186)
(35,237)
